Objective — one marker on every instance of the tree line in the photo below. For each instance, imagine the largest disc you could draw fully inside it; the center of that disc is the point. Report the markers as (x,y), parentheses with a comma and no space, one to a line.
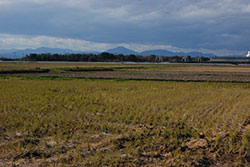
(102,57)
(108,57)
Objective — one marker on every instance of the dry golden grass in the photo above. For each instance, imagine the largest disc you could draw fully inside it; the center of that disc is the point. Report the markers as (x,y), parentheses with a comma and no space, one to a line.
(129,123)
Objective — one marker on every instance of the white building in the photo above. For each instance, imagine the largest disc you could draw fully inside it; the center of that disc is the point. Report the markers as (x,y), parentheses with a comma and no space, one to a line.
(248,54)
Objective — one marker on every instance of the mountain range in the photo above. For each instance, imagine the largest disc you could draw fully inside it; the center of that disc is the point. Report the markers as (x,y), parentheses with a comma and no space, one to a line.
(158,52)
(15,53)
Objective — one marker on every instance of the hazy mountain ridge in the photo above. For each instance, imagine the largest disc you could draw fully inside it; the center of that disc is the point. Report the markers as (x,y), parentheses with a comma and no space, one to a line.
(158,52)
(14,53)
(121,50)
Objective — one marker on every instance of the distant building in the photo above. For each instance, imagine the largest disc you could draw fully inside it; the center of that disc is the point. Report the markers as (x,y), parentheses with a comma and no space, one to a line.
(248,54)
(199,59)
(186,59)
(233,60)
(158,59)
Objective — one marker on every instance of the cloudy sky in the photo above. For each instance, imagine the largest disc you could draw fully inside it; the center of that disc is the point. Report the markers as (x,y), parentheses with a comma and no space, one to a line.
(218,26)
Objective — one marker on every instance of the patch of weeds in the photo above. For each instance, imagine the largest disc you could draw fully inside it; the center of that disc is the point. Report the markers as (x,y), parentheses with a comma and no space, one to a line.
(120,80)
(19,71)
(43,78)
(4,77)
(57,70)
(130,68)
(132,73)
(87,69)
(207,74)
(156,67)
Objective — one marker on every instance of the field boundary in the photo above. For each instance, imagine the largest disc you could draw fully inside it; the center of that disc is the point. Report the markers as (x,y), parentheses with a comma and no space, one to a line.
(114,79)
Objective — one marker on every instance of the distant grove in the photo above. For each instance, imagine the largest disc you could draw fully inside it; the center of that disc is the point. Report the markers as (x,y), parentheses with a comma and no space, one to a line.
(108,57)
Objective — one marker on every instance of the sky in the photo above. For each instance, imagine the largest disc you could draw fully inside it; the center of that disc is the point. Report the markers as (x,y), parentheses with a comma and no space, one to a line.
(211,26)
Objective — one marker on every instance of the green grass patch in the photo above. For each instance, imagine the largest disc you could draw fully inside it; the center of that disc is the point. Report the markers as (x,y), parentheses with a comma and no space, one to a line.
(45,78)
(132,72)
(63,78)
(88,69)
(156,67)
(58,70)
(129,68)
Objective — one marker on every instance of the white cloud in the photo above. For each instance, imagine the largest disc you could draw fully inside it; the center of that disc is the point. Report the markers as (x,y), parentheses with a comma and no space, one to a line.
(22,1)
(9,41)
(4,2)
(231,36)
(138,11)
(183,23)
(212,9)
(247,9)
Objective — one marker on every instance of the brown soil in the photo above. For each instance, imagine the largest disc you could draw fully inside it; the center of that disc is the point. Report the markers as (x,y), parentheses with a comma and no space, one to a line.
(151,75)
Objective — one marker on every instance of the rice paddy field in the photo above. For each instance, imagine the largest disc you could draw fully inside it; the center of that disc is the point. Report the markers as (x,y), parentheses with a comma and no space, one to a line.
(86,121)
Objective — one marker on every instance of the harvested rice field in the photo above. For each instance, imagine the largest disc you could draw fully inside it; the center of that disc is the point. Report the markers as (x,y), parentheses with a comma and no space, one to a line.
(50,120)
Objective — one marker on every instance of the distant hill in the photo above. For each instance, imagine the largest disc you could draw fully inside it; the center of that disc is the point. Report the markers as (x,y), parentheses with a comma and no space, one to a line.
(14,53)
(21,53)
(195,54)
(7,50)
(121,50)
(158,52)
(8,53)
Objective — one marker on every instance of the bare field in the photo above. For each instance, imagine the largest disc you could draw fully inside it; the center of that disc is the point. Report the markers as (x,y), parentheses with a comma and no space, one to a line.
(181,72)
(146,67)
(159,72)
(147,75)
(33,65)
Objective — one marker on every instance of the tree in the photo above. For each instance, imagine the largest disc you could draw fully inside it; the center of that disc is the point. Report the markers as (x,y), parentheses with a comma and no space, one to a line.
(132,58)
